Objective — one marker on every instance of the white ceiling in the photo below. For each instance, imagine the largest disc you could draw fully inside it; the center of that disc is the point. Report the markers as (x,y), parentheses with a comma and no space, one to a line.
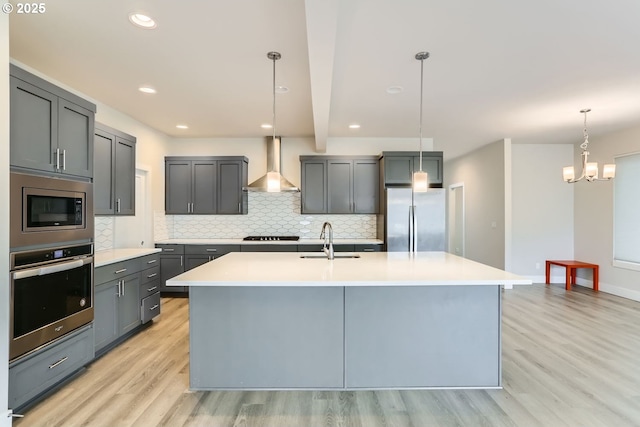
(498,68)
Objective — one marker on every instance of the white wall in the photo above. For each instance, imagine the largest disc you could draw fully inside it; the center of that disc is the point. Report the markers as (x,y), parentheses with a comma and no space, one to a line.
(542,225)
(483,174)
(4,225)
(594,216)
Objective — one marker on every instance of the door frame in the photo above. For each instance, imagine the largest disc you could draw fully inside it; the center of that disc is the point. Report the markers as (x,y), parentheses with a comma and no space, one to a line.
(451,219)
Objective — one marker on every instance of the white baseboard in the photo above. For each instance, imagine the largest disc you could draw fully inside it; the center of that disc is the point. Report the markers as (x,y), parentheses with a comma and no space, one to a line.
(604,287)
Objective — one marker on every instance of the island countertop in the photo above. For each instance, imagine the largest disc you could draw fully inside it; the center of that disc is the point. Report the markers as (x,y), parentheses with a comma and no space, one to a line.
(370,269)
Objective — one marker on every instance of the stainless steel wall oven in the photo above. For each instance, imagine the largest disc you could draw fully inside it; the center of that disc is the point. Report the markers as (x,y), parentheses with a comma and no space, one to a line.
(47,211)
(51,295)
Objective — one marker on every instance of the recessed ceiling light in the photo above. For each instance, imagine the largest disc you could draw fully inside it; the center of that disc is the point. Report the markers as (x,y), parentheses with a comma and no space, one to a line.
(282,89)
(394,89)
(143,21)
(266,126)
(354,126)
(147,89)
(182,126)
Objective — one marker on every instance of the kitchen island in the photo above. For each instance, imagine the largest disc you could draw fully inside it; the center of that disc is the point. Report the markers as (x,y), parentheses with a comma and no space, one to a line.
(381,320)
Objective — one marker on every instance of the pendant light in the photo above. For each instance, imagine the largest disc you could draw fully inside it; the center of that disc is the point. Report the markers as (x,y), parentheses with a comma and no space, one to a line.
(273,177)
(589,169)
(420,178)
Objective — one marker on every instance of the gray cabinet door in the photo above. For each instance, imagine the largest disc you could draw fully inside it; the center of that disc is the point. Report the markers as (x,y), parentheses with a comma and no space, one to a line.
(204,187)
(103,177)
(75,139)
(229,187)
(129,303)
(193,261)
(339,186)
(125,177)
(171,266)
(314,187)
(105,310)
(366,186)
(398,170)
(177,187)
(431,165)
(34,126)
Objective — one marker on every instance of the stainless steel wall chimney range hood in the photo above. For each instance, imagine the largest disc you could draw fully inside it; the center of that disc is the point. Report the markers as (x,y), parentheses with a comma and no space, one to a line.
(269,182)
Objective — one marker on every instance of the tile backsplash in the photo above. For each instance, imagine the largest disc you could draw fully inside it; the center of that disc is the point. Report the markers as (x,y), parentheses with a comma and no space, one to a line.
(269,214)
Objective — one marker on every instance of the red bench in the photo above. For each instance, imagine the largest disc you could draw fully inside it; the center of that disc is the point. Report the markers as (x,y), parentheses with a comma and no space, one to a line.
(571,266)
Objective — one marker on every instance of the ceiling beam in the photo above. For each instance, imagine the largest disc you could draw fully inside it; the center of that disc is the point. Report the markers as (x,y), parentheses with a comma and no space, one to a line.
(321,17)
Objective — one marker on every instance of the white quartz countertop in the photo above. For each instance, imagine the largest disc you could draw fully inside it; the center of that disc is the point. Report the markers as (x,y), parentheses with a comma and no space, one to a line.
(110,256)
(371,269)
(265,242)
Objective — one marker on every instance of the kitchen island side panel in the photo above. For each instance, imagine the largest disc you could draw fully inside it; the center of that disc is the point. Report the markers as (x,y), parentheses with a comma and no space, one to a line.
(424,337)
(266,338)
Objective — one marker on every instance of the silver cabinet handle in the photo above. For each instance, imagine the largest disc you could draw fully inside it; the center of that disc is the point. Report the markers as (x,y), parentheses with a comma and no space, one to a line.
(168,249)
(64,359)
(212,250)
(64,160)
(120,271)
(154,307)
(149,276)
(368,250)
(119,294)
(239,208)
(123,287)
(153,260)
(180,260)
(118,205)
(152,289)
(57,159)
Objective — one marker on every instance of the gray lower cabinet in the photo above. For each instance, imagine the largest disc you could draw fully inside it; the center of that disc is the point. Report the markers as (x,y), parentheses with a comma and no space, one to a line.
(125,297)
(398,167)
(206,185)
(36,373)
(340,184)
(196,255)
(172,263)
(51,129)
(340,247)
(114,172)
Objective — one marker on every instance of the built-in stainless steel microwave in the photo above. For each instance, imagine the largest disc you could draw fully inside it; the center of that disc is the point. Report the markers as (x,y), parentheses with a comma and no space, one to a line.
(46,210)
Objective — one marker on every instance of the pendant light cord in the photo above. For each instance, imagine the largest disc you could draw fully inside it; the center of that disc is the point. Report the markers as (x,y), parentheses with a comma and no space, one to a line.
(421,95)
(274,98)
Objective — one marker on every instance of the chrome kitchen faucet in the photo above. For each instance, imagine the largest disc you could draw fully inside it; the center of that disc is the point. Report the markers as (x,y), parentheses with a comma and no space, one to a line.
(323,235)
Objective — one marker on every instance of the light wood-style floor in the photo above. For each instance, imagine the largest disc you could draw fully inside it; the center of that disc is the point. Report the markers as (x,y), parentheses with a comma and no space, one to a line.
(569,359)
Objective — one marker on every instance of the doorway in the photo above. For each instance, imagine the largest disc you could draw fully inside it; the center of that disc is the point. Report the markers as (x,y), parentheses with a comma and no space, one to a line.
(456,219)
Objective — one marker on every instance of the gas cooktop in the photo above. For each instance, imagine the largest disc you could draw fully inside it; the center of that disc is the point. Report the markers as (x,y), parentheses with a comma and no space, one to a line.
(271,238)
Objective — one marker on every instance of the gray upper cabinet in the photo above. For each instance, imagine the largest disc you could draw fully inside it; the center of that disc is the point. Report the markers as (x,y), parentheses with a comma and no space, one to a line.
(314,189)
(51,129)
(398,167)
(114,172)
(340,184)
(206,185)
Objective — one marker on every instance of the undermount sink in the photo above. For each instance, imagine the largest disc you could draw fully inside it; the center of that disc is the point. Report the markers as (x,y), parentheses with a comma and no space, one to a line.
(335,256)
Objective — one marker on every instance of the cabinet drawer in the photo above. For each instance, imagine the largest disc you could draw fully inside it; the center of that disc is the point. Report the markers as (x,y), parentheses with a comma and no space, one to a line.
(116,270)
(149,288)
(149,261)
(171,249)
(213,250)
(36,373)
(150,307)
(150,274)
(366,247)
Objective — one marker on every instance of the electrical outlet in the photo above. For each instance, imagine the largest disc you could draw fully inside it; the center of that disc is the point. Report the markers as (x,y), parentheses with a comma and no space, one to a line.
(537,266)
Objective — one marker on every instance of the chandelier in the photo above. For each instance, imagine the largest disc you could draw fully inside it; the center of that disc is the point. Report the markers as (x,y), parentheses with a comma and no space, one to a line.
(589,169)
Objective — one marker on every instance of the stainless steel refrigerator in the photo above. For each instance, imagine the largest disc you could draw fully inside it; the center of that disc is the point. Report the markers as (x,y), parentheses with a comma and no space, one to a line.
(413,222)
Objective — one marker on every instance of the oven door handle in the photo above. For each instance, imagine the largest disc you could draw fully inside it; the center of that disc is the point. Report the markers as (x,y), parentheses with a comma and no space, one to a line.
(50,269)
